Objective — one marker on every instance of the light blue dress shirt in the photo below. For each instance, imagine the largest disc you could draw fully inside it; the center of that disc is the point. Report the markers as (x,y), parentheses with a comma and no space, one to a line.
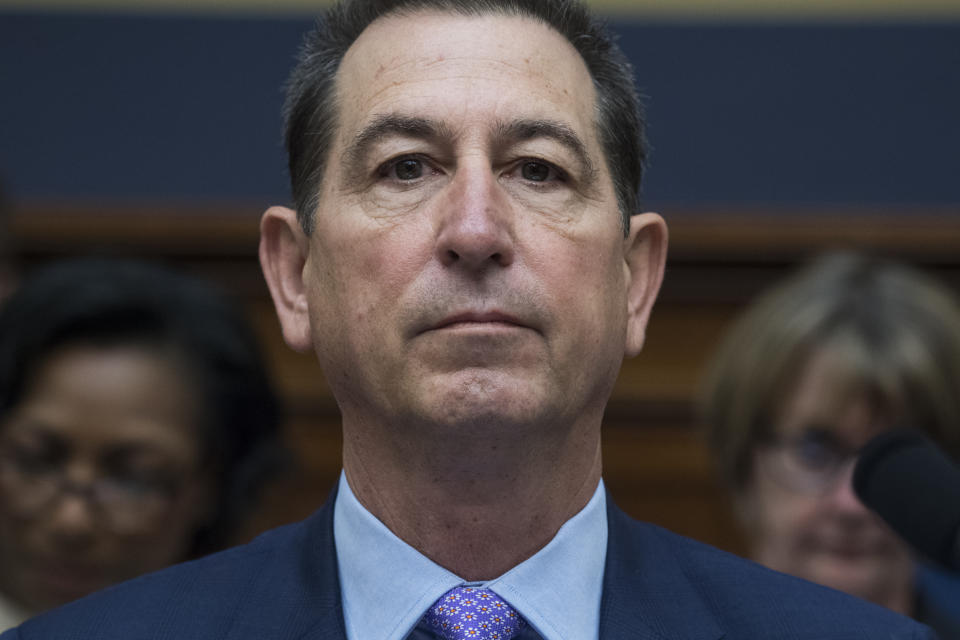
(387,585)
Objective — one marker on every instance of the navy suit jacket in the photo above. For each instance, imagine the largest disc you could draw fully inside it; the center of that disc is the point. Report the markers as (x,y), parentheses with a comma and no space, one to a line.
(284,585)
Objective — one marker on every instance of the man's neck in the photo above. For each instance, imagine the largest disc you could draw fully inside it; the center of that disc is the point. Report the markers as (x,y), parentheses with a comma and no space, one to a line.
(476,513)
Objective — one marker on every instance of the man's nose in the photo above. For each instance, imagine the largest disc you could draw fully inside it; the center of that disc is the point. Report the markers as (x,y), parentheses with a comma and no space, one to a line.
(476,223)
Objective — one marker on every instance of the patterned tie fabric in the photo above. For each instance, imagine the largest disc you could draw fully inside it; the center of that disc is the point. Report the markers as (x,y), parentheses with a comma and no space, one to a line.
(469,613)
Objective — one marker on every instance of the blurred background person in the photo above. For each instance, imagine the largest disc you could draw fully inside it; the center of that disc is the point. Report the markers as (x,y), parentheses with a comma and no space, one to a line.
(137,423)
(847,348)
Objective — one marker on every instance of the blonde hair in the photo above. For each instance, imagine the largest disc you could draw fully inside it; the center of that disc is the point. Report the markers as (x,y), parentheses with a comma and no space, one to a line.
(897,332)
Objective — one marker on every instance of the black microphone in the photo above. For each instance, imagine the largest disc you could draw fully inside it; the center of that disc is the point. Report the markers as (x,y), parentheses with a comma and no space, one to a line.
(915,488)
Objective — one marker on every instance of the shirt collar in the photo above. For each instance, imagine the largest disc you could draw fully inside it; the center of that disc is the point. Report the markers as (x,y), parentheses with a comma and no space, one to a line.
(387,585)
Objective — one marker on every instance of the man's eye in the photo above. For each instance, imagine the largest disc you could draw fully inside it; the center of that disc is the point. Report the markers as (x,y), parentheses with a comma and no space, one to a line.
(407,169)
(535,171)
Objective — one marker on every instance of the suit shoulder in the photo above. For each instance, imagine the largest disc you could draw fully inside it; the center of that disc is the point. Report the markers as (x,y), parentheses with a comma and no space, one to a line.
(185,601)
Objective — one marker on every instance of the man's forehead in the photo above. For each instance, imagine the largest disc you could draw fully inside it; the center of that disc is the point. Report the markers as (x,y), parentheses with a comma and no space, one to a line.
(411,60)
(393,30)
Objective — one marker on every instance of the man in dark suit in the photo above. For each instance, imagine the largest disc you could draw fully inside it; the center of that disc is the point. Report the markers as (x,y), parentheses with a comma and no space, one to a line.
(466,263)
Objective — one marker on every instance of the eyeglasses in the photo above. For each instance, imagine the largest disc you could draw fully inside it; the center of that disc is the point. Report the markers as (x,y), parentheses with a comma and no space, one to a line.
(810,462)
(129,500)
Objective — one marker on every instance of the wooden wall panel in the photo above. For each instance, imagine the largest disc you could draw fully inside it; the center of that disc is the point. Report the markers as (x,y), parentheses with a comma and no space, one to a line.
(656,465)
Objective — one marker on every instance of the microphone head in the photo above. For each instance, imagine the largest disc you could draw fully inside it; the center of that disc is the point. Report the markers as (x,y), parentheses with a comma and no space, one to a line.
(915,488)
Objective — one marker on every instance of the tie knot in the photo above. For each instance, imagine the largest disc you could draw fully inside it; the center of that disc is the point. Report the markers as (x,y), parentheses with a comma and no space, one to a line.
(469,613)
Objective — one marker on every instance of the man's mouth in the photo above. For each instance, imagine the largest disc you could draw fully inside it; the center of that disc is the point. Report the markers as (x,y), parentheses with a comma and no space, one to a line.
(479,319)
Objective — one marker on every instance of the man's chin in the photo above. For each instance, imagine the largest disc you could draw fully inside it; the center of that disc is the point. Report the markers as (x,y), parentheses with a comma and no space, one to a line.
(483,398)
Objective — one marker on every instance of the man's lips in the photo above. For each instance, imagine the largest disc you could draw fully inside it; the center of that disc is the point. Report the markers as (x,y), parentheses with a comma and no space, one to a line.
(478,319)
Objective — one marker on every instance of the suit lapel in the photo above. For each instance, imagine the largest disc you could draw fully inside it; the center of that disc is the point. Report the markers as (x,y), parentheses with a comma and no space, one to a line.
(296,593)
(323,577)
(646,594)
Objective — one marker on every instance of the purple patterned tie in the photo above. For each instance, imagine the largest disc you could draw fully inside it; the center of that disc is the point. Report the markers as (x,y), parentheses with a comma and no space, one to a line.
(469,613)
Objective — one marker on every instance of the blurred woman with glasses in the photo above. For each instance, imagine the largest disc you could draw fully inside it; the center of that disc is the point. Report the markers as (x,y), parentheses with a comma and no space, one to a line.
(137,423)
(847,348)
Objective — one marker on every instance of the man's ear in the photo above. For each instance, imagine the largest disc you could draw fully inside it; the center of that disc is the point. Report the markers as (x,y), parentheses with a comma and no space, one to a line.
(283,253)
(646,255)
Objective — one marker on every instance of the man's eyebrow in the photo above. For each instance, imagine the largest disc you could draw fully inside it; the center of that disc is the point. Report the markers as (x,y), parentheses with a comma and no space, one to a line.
(521,130)
(387,125)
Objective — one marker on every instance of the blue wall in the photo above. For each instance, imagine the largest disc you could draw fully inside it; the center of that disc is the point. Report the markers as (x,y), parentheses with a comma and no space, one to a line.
(152,108)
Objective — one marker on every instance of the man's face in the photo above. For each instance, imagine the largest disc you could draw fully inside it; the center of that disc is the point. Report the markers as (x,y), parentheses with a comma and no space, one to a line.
(467,263)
